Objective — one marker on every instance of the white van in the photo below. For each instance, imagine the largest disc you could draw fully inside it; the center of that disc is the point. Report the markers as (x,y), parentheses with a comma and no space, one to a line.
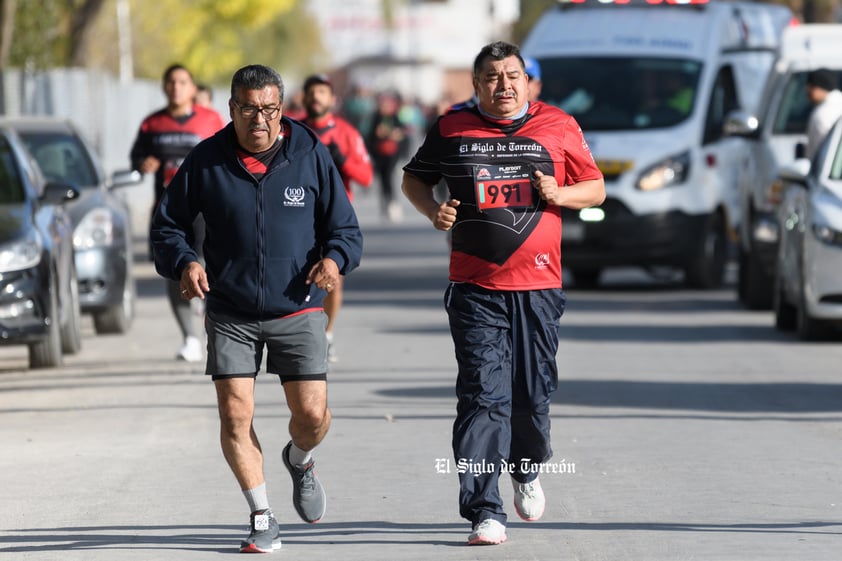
(651,86)
(775,133)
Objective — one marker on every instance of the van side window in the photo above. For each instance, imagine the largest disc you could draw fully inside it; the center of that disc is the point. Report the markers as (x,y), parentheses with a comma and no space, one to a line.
(723,99)
(794,110)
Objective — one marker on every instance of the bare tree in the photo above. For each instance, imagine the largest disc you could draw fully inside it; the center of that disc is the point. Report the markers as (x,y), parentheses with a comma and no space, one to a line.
(7,29)
(82,20)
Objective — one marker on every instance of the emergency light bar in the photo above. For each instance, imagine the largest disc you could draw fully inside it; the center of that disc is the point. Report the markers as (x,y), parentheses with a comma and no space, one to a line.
(636,2)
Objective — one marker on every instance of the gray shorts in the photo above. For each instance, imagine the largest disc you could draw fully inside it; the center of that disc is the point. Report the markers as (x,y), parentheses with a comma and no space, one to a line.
(296,346)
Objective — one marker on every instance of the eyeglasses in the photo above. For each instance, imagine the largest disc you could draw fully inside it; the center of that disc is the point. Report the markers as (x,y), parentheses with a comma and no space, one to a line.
(249,111)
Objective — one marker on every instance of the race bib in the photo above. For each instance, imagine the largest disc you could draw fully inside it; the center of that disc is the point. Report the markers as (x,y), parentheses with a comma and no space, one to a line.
(503,186)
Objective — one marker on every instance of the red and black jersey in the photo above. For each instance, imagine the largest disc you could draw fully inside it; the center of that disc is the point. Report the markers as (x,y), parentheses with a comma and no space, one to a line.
(338,134)
(505,236)
(170,139)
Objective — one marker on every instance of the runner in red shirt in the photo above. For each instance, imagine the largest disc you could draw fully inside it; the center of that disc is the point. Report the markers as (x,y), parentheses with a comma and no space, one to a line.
(164,139)
(510,166)
(347,148)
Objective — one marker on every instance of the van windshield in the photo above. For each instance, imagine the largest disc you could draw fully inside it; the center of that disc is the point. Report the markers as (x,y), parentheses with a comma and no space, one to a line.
(621,93)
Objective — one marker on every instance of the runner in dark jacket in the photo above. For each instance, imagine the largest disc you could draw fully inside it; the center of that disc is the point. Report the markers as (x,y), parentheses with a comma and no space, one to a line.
(261,239)
(280,231)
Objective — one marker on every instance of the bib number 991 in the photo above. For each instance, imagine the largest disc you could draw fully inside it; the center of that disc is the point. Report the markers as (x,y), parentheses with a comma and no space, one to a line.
(503,194)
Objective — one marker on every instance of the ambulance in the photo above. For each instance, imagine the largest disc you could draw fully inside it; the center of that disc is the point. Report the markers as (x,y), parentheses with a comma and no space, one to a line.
(652,84)
(777,134)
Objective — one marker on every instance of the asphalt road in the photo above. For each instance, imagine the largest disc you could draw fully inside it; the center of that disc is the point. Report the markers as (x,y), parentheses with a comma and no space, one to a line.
(686,427)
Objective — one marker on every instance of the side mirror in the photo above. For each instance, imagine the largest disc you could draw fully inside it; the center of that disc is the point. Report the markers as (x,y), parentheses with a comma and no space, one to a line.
(795,172)
(800,151)
(124,178)
(741,123)
(56,193)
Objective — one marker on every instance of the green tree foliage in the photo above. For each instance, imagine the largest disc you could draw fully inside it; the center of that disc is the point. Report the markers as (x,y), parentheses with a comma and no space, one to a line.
(35,36)
(211,37)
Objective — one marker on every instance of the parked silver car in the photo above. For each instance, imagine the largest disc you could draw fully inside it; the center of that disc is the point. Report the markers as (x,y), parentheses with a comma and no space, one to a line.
(102,234)
(808,284)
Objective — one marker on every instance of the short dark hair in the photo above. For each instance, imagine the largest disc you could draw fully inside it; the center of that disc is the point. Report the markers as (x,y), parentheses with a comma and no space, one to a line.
(256,77)
(822,78)
(497,50)
(173,68)
(317,79)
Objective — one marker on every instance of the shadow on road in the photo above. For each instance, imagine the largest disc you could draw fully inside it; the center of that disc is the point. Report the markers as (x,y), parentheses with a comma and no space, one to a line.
(780,398)
(225,538)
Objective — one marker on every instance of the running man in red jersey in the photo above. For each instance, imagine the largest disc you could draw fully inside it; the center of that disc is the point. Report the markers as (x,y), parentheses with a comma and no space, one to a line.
(347,148)
(165,138)
(510,165)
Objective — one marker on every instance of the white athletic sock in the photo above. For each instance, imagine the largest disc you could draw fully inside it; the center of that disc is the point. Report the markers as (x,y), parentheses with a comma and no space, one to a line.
(257,498)
(297,456)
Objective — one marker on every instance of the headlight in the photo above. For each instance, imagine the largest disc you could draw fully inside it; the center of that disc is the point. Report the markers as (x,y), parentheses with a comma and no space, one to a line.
(669,172)
(21,254)
(96,229)
(826,234)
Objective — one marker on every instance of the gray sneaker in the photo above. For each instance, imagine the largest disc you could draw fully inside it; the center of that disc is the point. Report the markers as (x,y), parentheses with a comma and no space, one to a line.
(265,536)
(308,496)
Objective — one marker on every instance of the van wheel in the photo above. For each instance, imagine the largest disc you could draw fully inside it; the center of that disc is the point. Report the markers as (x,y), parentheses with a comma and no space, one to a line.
(706,269)
(754,285)
(47,352)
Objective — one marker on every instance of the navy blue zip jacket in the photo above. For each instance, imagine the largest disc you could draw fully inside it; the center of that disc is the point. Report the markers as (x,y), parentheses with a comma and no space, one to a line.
(262,237)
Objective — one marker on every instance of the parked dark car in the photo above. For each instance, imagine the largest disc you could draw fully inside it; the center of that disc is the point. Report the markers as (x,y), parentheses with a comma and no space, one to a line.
(102,234)
(39,292)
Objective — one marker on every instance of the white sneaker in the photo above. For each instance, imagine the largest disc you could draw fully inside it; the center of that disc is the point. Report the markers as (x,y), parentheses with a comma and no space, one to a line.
(394,211)
(529,500)
(487,532)
(191,351)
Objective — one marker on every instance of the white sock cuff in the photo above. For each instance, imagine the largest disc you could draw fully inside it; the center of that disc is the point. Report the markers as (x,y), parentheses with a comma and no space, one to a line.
(257,498)
(297,456)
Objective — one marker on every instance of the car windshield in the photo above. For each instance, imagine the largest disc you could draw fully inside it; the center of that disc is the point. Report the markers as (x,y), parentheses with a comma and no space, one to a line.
(11,186)
(614,93)
(795,108)
(61,157)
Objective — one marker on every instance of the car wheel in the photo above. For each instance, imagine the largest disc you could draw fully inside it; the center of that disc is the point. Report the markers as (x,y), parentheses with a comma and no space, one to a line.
(706,269)
(586,278)
(784,311)
(117,319)
(47,352)
(71,331)
(807,327)
(755,286)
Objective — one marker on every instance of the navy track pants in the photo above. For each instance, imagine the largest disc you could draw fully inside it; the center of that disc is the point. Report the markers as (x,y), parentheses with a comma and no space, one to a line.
(506,344)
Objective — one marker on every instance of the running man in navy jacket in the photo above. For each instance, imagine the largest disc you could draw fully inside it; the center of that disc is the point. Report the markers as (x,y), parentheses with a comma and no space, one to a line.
(280,230)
